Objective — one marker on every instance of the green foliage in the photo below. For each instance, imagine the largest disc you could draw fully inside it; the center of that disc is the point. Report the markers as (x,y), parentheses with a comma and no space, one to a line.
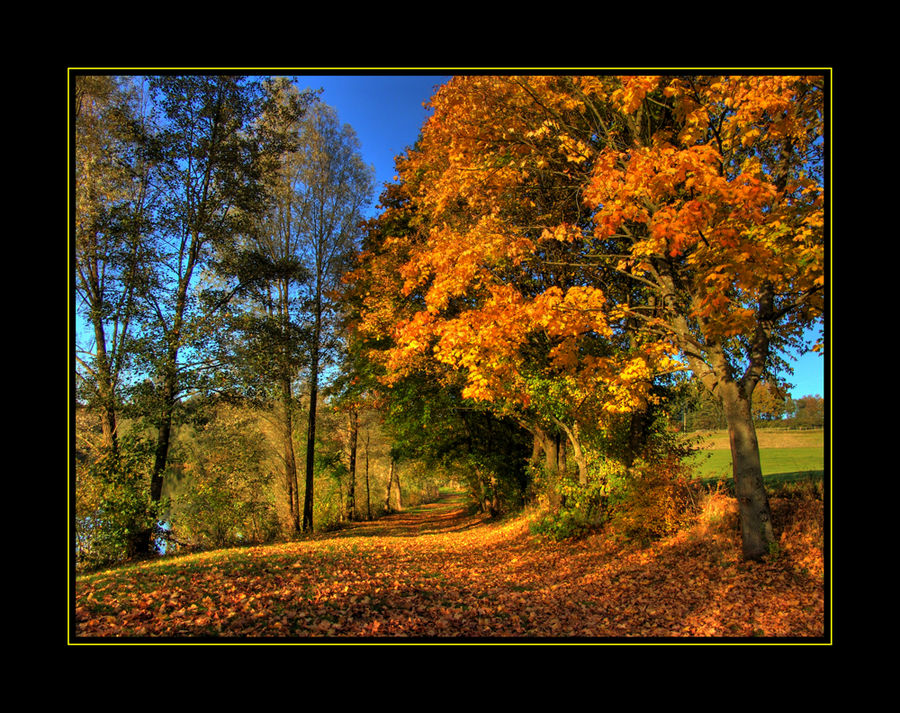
(563,525)
(332,472)
(421,483)
(692,407)
(111,504)
(584,505)
(226,495)
(636,485)
(432,423)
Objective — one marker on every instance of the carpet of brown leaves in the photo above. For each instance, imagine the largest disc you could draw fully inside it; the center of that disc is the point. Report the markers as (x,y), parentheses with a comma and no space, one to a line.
(442,574)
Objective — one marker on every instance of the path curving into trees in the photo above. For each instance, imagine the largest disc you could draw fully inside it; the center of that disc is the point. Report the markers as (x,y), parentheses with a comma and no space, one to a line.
(440,573)
(451,512)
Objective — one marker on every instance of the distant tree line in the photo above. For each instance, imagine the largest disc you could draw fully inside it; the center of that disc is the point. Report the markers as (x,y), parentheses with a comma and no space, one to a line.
(694,409)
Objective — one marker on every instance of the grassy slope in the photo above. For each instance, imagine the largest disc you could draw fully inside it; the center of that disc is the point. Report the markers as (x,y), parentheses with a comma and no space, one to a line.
(781,452)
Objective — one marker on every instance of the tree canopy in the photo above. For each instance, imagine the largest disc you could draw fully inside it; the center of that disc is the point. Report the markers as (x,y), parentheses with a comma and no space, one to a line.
(576,238)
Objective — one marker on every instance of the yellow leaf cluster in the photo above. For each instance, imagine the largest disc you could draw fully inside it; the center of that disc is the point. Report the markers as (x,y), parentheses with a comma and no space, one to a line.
(633,90)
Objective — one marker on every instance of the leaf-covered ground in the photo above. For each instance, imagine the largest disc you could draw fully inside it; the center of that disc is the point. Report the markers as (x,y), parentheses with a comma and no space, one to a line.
(440,574)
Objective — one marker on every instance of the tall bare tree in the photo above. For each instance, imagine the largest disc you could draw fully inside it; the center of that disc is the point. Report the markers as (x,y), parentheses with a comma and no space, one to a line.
(333,189)
(215,161)
(111,201)
(269,261)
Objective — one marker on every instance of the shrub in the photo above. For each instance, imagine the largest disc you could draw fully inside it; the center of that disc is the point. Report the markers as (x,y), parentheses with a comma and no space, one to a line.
(718,511)
(112,505)
(655,500)
(806,485)
(563,525)
(226,495)
(584,505)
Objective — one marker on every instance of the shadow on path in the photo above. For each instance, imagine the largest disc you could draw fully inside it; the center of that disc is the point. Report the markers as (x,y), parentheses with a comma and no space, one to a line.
(449,513)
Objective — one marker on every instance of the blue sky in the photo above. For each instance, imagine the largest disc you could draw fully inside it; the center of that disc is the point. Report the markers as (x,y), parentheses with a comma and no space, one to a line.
(809,375)
(386,112)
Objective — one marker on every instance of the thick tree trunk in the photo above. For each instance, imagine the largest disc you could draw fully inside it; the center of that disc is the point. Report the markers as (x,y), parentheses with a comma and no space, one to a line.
(580,460)
(637,431)
(550,443)
(140,542)
(163,440)
(753,503)
(714,371)
(536,448)
(110,428)
(169,390)
(164,434)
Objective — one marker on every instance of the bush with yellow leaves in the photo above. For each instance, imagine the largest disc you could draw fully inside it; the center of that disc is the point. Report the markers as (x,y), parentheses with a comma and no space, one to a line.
(655,500)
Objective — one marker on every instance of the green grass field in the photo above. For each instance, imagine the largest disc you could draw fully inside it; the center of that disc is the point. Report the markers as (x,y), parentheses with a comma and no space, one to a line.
(782,453)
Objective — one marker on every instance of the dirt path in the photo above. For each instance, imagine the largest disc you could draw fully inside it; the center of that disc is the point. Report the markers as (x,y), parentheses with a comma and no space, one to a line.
(450,513)
(437,572)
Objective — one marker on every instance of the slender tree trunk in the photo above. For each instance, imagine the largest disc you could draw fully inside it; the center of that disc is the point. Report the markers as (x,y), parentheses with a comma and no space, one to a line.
(368,491)
(290,460)
(313,402)
(163,441)
(753,503)
(169,390)
(353,431)
(106,389)
(140,540)
(387,498)
(164,435)
(311,441)
(388,505)
(392,478)
(494,496)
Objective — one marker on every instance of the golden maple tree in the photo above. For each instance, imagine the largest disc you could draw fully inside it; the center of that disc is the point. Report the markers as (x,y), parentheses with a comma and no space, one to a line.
(596,232)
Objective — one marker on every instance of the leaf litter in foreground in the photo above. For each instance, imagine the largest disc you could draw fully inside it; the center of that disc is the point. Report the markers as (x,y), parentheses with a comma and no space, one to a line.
(470,578)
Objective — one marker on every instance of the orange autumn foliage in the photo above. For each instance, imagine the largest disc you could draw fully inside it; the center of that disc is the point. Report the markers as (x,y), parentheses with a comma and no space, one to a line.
(742,227)
(515,174)
(481,295)
(570,239)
